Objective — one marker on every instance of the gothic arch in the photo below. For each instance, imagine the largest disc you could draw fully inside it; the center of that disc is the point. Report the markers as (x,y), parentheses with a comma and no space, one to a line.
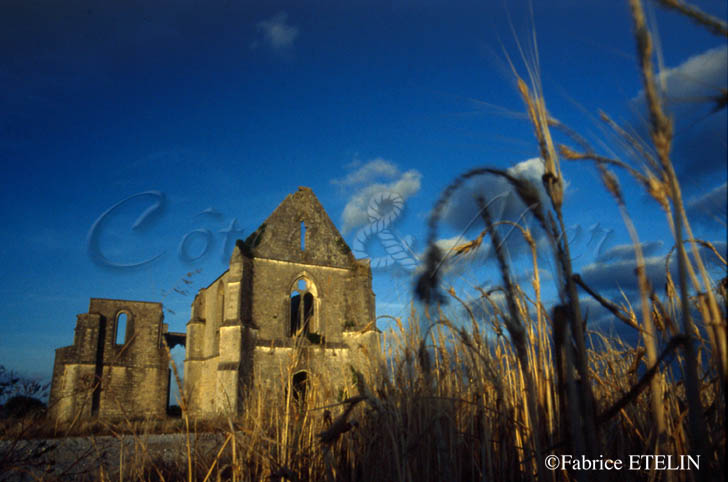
(303,306)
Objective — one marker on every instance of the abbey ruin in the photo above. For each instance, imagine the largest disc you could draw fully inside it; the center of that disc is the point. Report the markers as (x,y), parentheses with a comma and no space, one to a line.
(293,308)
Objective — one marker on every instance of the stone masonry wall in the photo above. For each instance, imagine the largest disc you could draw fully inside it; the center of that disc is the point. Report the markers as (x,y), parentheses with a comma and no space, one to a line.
(98,377)
(245,332)
(248,342)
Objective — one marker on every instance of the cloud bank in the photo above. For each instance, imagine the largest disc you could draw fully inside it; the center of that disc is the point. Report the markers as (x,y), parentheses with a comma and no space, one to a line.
(462,214)
(615,270)
(710,207)
(375,176)
(692,91)
(625,252)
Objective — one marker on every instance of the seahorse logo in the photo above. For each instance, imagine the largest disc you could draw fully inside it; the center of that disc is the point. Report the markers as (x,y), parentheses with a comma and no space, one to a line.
(384,208)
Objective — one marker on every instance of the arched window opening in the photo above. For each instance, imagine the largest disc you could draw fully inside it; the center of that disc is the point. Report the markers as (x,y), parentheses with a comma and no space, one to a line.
(295,313)
(299,386)
(307,311)
(302,309)
(122,320)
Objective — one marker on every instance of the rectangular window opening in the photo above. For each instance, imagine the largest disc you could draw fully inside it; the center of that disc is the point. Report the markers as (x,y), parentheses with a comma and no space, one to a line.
(121,328)
(303,236)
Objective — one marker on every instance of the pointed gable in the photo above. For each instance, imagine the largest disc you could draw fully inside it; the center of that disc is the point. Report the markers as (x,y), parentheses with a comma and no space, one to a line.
(300,231)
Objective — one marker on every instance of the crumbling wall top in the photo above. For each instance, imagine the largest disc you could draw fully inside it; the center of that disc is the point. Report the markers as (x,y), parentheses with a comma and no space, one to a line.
(299,231)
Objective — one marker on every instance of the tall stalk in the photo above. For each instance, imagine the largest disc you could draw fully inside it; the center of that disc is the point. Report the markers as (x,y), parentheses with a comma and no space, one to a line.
(661,134)
(554,185)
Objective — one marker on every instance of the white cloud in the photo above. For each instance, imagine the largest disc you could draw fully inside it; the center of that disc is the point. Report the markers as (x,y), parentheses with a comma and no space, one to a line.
(454,263)
(368,172)
(699,75)
(618,272)
(598,317)
(462,212)
(621,274)
(531,170)
(691,93)
(710,208)
(625,252)
(405,184)
(276,33)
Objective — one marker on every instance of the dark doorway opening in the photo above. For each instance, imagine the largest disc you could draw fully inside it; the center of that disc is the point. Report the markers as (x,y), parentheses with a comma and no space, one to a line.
(299,387)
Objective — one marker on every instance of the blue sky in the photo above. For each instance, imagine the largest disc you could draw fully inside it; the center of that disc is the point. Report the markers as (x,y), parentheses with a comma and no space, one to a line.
(218,109)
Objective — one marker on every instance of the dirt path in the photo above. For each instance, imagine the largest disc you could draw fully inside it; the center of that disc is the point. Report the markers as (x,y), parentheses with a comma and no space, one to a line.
(94,458)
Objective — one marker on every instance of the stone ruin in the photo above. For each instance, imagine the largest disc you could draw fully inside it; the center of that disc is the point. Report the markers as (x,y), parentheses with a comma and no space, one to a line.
(291,285)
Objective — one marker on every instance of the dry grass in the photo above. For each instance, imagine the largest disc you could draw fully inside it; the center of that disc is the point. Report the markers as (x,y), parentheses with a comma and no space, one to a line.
(487,398)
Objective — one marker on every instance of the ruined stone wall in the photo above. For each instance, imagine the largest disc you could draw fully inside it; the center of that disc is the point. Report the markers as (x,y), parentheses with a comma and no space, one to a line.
(240,334)
(194,359)
(329,368)
(334,305)
(299,240)
(208,345)
(98,377)
(279,237)
(74,370)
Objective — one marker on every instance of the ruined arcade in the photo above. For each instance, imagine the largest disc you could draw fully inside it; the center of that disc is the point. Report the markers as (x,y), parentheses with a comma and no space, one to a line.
(294,307)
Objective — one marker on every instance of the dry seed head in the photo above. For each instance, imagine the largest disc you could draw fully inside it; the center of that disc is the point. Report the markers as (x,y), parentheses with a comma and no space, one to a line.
(371,326)
(568,153)
(670,286)
(663,137)
(639,354)
(611,182)
(427,285)
(523,89)
(465,248)
(657,319)
(658,190)
(424,358)
(554,188)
